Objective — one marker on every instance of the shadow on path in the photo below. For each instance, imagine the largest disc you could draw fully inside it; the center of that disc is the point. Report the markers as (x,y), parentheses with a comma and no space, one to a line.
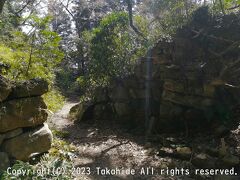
(105,145)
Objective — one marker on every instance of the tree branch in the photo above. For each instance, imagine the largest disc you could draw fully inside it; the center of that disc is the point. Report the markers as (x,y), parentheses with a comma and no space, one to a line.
(222,7)
(30,55)
(27,3)
(235,7)
(130,14)
(66,8)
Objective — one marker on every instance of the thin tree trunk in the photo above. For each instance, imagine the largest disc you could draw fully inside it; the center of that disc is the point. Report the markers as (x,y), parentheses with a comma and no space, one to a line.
(29,61)
(186,4)
(222,7)
(130,14)
(30,56)
(2,2)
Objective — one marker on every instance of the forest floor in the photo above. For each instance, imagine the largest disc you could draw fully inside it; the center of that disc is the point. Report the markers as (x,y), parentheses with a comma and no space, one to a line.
(105,145)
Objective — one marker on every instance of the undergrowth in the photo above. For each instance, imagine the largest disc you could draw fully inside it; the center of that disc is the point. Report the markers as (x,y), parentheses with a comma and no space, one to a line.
(55,165)
(54,100)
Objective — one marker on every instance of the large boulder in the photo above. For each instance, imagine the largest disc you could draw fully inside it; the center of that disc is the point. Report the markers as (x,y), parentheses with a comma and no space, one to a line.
(102,111)
(5,88)
(119,93)
(33,87)
(37,140)
(101,95)
(13,133)
(5,163)
(82,111)
(122,109)
(10,134)
(24,112)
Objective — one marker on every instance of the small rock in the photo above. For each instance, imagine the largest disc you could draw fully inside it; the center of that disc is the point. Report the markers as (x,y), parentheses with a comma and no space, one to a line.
(183,152)
(4,161)
(80,110)
(179,153)
(163,152)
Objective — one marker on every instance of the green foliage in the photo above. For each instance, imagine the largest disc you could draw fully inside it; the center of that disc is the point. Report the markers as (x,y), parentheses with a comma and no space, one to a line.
(54,100)
(32,55)
(60,134)
(61,148)
(231,3)
(66,80)
(224,6)
(49,167)
(169,15)
(113,48)
(57,160)
(19,165)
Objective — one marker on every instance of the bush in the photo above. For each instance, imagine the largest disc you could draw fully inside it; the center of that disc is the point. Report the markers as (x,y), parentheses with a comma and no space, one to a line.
(57,163)
(54,100)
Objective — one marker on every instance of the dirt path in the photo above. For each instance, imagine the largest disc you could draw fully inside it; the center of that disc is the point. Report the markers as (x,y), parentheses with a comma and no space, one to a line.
(60,119)
(103,145)
(105,150)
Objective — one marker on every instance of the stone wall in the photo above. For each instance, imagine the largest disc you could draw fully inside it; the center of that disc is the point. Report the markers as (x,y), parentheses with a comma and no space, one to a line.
(22,116)
(178,100)
(191,86)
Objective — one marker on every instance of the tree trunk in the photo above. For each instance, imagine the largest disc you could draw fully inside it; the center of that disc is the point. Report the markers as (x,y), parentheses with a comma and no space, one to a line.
(2,2)
(130,14)
(222,7)
(186,4)
(30,55)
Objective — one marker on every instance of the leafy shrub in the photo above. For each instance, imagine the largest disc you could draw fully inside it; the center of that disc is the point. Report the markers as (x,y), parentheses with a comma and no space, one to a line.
(113,48)
(55,165)
(54,100)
